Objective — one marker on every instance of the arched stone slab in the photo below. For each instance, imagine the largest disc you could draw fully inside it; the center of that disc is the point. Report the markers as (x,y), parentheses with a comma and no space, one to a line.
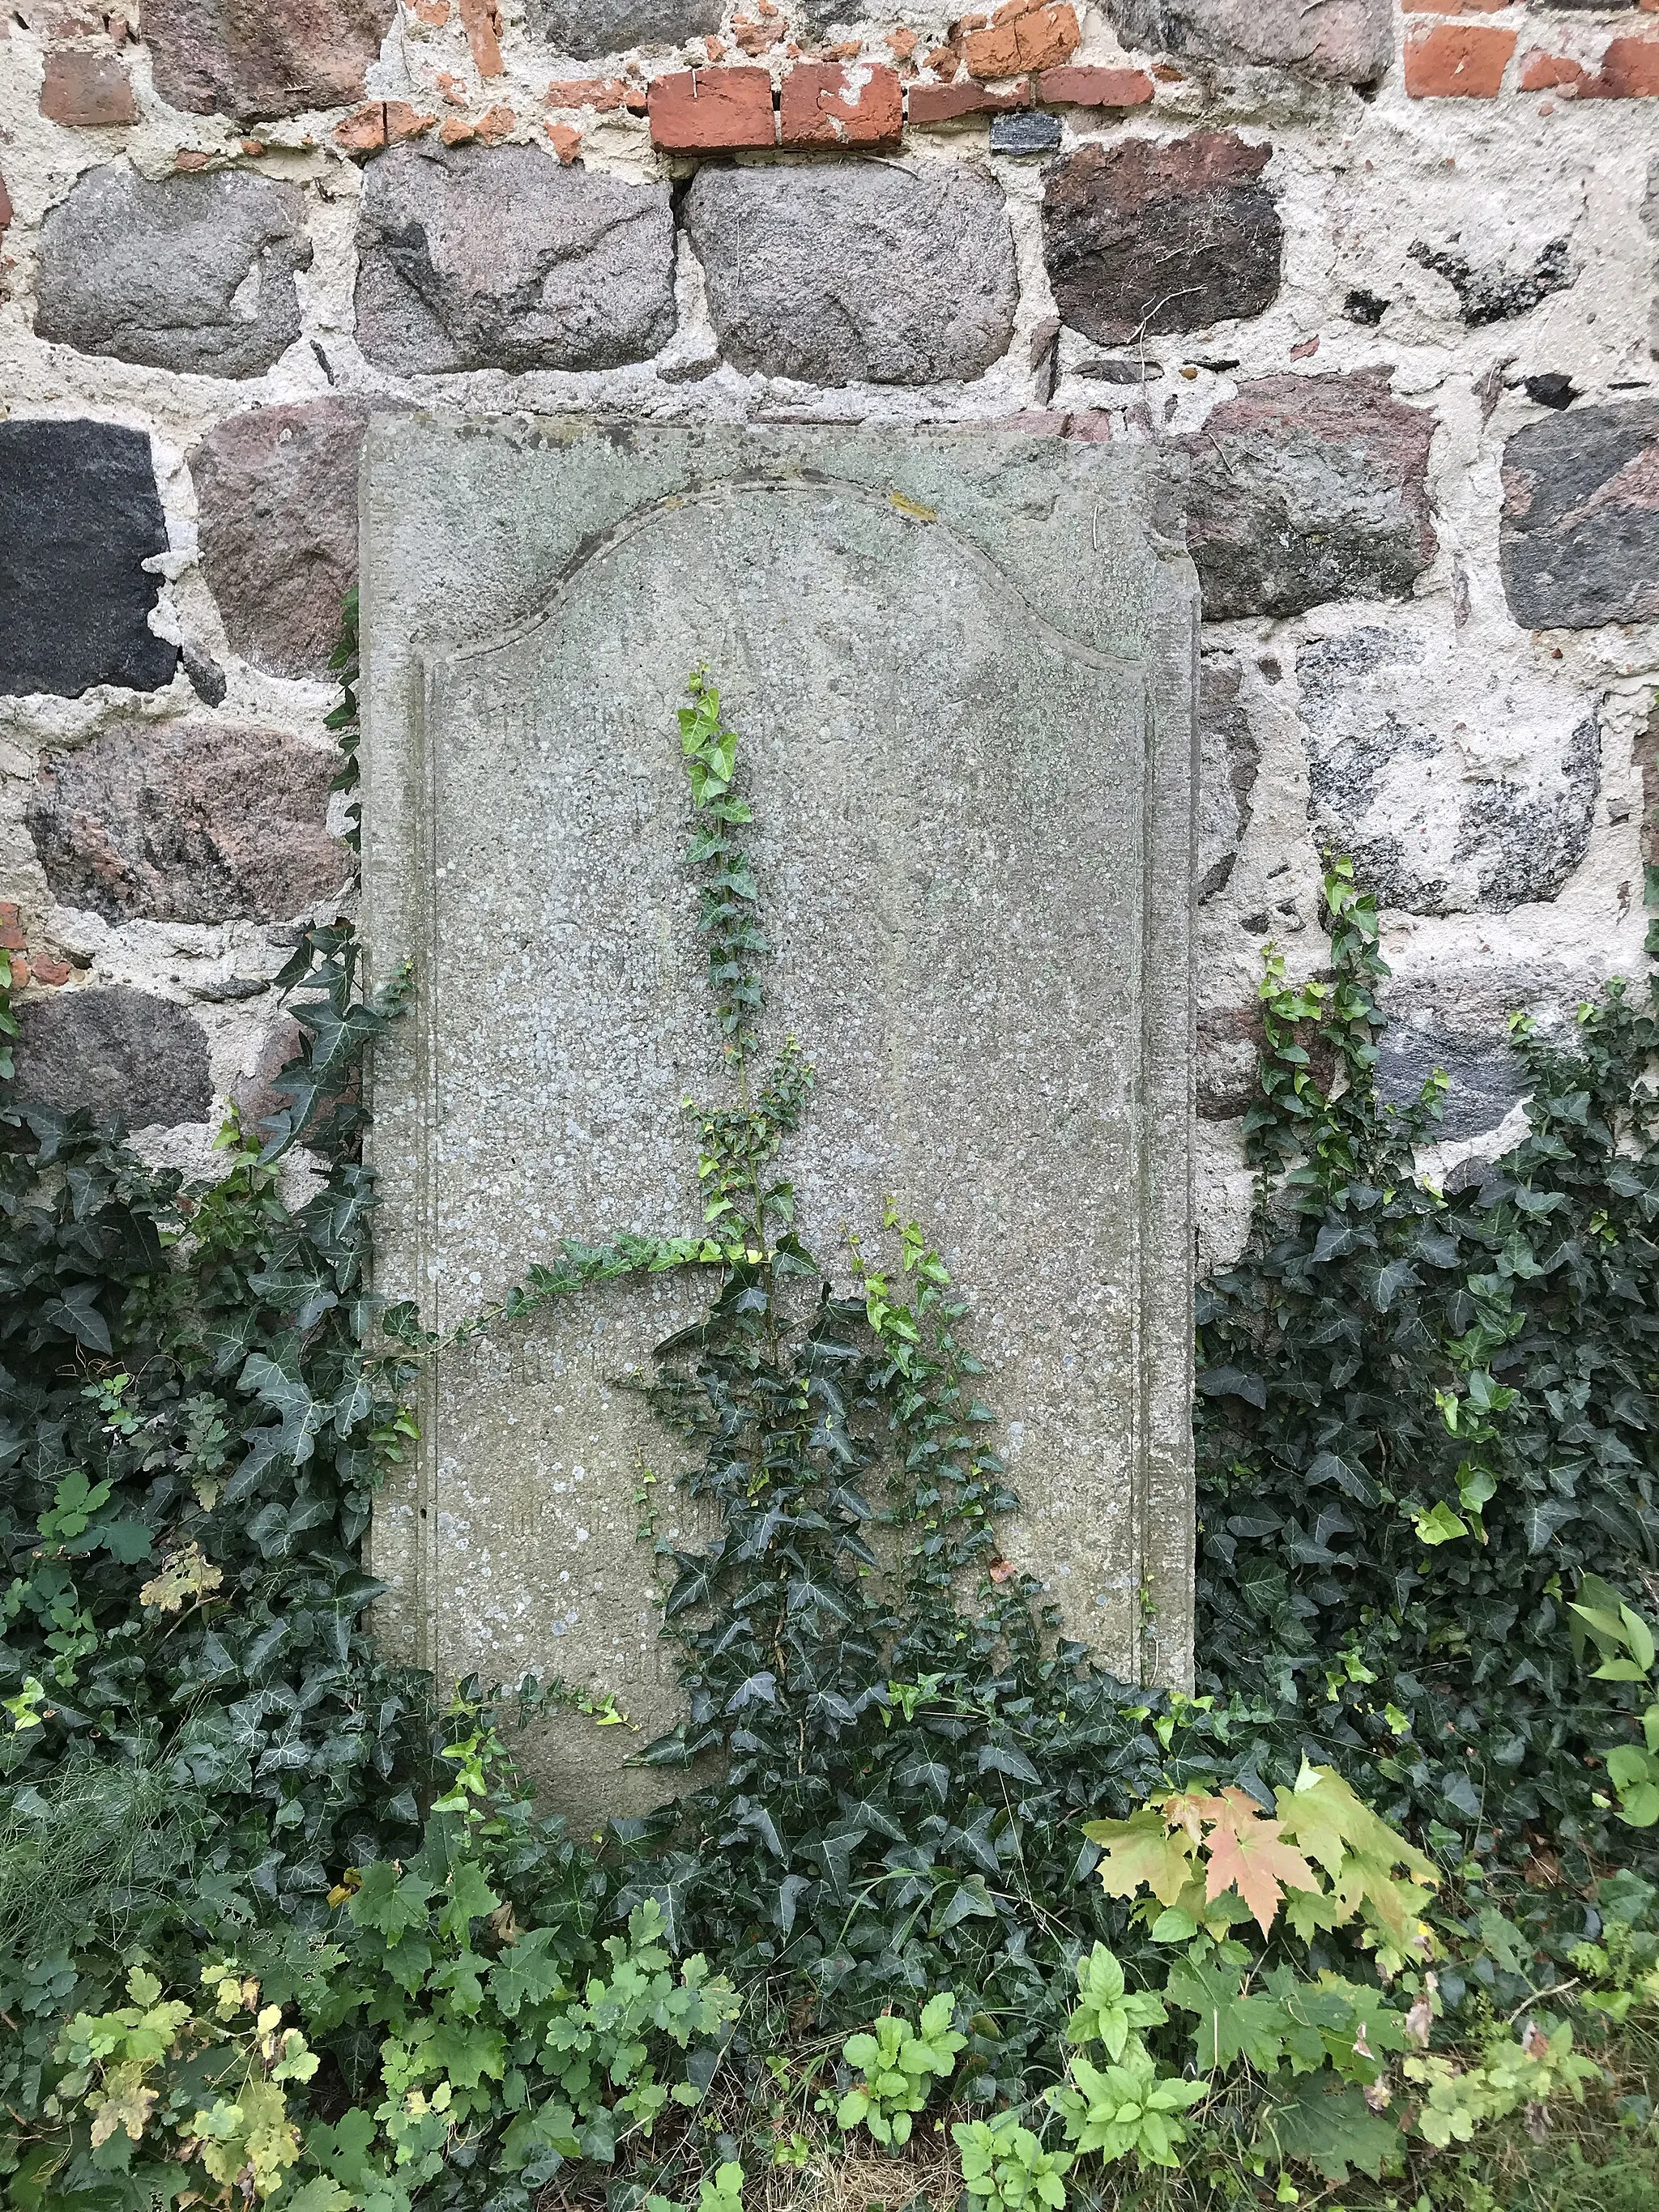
(962,667)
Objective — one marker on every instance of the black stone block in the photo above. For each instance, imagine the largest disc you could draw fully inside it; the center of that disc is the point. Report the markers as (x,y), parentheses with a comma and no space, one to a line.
(79,511)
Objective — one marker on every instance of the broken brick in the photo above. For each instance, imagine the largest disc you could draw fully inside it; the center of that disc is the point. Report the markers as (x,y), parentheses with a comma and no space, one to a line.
(1036,40)
(86,91)
(567,141)
(942,103)
(842,104)
(481,21)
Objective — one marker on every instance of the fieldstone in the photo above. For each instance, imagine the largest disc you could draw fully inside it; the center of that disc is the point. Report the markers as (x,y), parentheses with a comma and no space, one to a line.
(240,58)
(1228,760)
(589,30)
(498,258)
(1141,238)
(1490,292)
(1580,535)
(1351,41)
(79,515)
(188,273)
(254,1093)
(276,497)
(1396,777)
(199,822)
(869,273)
(1486,1077)
(126,1056)
(1306,489)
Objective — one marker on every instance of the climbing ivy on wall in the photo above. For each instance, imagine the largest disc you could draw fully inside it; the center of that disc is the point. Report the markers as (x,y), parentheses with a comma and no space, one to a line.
(1424,1428)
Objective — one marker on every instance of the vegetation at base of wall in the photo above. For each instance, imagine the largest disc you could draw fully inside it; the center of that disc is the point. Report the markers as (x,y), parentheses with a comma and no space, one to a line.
(961,1912)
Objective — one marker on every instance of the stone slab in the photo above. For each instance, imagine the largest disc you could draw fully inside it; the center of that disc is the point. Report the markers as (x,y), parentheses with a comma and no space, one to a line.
(963,664)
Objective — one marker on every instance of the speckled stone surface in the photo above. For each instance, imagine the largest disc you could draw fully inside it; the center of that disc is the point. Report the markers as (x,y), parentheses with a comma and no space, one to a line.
(963,665)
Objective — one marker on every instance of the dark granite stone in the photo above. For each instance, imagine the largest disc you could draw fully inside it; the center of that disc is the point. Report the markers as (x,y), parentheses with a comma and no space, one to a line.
(79,513)
(126,1056)
(591,30)
(1580,535)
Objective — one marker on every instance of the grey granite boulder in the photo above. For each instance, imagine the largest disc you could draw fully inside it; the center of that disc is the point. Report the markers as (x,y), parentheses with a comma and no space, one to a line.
(79,515)
(188,272)
(1580,537)
(1306,489)
(861,272)
(1141,237)
(1417,781)
(242,58)
(276,500)
(589,30)
(473,257)
(1349,41)
(201,822)
(123,1055)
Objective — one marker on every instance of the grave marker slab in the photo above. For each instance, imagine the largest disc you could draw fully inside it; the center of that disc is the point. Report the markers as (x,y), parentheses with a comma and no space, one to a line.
(962,666)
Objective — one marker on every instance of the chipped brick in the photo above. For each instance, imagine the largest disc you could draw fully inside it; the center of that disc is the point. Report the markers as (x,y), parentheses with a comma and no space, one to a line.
(943,103)
(481,21)
(1038,39)
(842,104)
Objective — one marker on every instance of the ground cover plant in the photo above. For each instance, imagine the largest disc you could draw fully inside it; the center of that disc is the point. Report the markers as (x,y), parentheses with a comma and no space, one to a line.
(960,1914)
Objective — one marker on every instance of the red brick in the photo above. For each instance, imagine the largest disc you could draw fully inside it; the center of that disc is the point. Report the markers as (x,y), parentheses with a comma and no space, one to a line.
(700,111)
(1036,40)
(567,141)
(86,91)
(1542,72)
(481,19)
(1094,88)
(5,207)
(1457,61)
(842,104)
(495,125)
(50,972)
(1629,71)
(603,93)
(942,103)
(363,131)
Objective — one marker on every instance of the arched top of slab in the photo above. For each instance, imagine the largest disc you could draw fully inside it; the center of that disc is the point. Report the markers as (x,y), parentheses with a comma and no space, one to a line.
(904,514)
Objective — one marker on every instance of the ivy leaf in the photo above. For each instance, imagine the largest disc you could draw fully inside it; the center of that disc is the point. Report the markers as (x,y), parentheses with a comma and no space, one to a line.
(389,1902)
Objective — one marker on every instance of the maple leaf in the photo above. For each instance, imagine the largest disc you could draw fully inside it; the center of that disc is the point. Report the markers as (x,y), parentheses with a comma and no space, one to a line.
(1248,1853)
(1360,1852)
(1141,1853)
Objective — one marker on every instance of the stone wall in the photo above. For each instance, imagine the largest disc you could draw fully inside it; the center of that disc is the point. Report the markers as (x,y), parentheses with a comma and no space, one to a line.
(1389,281)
